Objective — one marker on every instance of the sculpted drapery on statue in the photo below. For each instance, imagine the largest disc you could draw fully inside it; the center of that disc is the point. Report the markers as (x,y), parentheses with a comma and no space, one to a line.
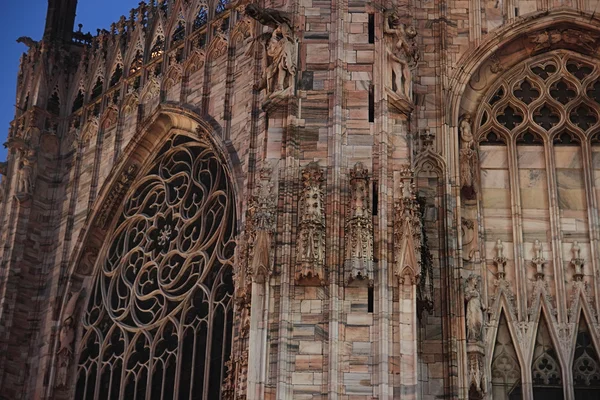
(402,52)
(279,49)
(468,158)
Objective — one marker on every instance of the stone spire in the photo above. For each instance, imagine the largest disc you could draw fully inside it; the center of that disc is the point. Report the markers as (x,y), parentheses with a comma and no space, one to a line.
(60,20)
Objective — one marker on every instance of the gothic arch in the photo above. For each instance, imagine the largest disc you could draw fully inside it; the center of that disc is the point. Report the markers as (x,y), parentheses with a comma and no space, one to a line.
(138,157)
(509,46)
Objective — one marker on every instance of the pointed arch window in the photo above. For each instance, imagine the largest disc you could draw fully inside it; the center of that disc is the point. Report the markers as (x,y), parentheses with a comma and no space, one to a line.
(160,314)
(506,372)
(546,372)
(201,18)
(586,366)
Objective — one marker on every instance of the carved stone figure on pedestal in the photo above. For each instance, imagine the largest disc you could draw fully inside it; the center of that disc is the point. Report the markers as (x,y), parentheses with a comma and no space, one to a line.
(359,228)
(475,308)
(402,52)
(279,49)
(538,259)
(577,261)
(64,354)
(311,232)
(26,166)
(468,158)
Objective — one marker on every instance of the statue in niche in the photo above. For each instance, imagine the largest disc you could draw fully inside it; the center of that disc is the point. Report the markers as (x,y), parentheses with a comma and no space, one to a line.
(359,228)
(311,232)
(468,158)
(279,55)
(475,308)
(263,217)
(27,163)
(64,354)
(402,51)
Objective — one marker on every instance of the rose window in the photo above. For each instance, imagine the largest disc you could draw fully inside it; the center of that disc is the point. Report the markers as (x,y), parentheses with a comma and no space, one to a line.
(158,323)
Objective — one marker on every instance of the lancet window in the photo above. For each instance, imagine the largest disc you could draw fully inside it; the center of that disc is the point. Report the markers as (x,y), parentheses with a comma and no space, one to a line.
(539,167)
(158,322)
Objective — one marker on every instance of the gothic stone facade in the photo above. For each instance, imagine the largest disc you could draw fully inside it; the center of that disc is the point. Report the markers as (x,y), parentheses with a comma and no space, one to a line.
(305,200)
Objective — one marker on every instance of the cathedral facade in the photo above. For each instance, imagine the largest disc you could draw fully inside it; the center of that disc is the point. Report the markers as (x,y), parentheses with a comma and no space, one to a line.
(305,200)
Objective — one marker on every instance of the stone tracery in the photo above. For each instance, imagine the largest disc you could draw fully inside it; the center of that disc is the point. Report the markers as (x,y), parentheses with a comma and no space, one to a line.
(163,292)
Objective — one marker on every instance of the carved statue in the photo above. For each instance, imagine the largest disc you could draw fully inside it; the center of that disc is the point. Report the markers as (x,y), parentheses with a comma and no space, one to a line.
(402,51)
(279,49)
(468,158)
(359,227)
(577,261)
(538,259)
(475,308)
(66,336)
(27,164)
(311,233)
(263,226)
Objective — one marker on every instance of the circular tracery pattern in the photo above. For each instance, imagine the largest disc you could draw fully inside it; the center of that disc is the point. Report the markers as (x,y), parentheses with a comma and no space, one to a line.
(553,93)
(161,304)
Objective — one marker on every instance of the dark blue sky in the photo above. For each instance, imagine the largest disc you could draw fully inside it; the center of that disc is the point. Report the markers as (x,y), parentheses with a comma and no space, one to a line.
(27,18)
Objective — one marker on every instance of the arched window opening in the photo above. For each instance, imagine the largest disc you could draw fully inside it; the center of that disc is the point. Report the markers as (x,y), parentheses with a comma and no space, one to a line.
(54,104)
(138,61)
(201,18)
(116,76)
(160,313)
(78,103)
(546,372)
(221,6)
(506,372)
(158,47)
(586,366)
(97,90)
(179,33)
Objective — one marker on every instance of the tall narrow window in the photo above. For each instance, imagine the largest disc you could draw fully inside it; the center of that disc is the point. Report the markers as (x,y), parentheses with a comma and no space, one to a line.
(160,312)
(371,28)
(371,104)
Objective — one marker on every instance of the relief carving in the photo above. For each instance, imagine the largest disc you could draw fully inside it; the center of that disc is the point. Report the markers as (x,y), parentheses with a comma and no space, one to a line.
(311,233)
(279,49)
(551,38)
(407,230)
(359,228)
(402,52)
